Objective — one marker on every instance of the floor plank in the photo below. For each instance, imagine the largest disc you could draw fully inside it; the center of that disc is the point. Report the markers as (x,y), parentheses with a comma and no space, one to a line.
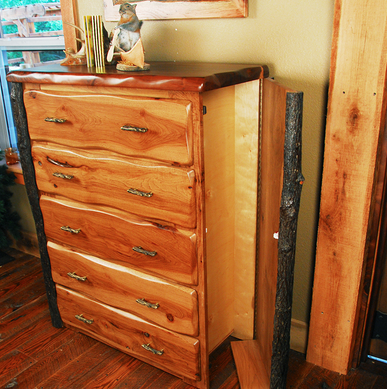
(20,320)
(298,370)
(23,293)
(115,370)
(356,380)
(80,369)
(53,362)
(12,364)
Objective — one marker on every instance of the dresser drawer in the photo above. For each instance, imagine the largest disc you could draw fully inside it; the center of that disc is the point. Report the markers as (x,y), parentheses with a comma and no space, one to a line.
(159,192)
(153,344)
(142,127)
(167,251)
(167,304)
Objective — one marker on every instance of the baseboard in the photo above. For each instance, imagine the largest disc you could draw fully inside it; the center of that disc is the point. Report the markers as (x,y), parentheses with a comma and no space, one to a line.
(298,336)
(28,243)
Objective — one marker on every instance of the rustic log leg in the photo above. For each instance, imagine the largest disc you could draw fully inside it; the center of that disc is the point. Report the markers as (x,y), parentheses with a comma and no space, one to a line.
(24,145)
(290,203)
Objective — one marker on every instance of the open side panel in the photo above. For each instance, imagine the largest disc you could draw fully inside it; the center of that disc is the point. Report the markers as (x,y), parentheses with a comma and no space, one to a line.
(231,170)
(262,363)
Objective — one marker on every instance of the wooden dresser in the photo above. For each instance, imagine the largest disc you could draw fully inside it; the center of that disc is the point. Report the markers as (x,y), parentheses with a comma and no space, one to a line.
(146,191)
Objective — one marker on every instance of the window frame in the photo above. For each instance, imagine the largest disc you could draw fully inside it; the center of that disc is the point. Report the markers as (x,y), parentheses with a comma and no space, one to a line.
(8,135)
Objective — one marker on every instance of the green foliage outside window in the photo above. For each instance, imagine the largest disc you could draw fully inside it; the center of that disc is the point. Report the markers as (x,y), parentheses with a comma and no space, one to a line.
(18,3)
(55,25)
(45,56)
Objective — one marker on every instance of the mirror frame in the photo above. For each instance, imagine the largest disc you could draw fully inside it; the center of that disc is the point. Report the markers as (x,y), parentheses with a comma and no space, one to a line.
(186,9)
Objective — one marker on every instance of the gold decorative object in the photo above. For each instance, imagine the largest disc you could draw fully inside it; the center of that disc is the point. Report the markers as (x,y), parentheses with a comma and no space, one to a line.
(54,120)
(146,304)
(134,129)
(140,250)
(76,277)
(152,350)
(64,176)
(69,229)
(139,193)
(81,318)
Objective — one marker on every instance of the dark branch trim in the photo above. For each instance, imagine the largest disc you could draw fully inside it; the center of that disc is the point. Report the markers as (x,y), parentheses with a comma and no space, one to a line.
(290,203)
(24,145)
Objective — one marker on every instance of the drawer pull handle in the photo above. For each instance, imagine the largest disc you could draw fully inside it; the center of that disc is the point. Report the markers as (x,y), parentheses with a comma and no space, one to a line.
(139,193)
(81,318)
(72,230)
(64,176)
(146,304)
(54,120)
(79,278)
(152,350)
(57,163)
(134,129)
(140,250)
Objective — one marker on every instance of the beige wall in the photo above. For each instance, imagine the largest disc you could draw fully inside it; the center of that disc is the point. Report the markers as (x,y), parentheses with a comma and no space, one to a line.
(293,38)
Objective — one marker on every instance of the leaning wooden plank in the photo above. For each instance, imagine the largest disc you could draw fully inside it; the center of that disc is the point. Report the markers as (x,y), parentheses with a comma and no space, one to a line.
(355,114)
(266,358)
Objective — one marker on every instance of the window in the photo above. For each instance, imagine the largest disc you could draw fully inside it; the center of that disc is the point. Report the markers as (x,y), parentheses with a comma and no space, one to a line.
(31,34)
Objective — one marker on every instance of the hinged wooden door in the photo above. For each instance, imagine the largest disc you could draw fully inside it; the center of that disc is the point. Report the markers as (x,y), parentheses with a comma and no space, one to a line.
(262,363)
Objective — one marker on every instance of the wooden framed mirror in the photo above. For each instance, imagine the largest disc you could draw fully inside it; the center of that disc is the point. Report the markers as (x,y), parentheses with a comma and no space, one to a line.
(180,9)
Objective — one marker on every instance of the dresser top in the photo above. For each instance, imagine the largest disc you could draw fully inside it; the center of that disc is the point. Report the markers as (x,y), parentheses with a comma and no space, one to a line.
(178,76)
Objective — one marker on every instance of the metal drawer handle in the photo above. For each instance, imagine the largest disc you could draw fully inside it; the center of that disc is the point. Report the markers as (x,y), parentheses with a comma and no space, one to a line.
(72,230)
(81,318)
(146,304)
(140,250)
(139,193)
(134,129)
(57,163)
(152,350)
(54,120)
(64,176)
(78,278)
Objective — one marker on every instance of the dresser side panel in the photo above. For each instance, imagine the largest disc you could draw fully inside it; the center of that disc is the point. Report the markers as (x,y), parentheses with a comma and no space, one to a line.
(246,186)
(219,156)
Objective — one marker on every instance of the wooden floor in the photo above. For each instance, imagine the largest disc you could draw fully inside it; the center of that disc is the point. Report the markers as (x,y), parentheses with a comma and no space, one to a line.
(33,354)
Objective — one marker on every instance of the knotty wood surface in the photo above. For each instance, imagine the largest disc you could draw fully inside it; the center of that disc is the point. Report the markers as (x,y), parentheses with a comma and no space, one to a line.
(129,333)
(94,121)
(175,248)
(356,109)
(34,354)
(115,284)
(173,189)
